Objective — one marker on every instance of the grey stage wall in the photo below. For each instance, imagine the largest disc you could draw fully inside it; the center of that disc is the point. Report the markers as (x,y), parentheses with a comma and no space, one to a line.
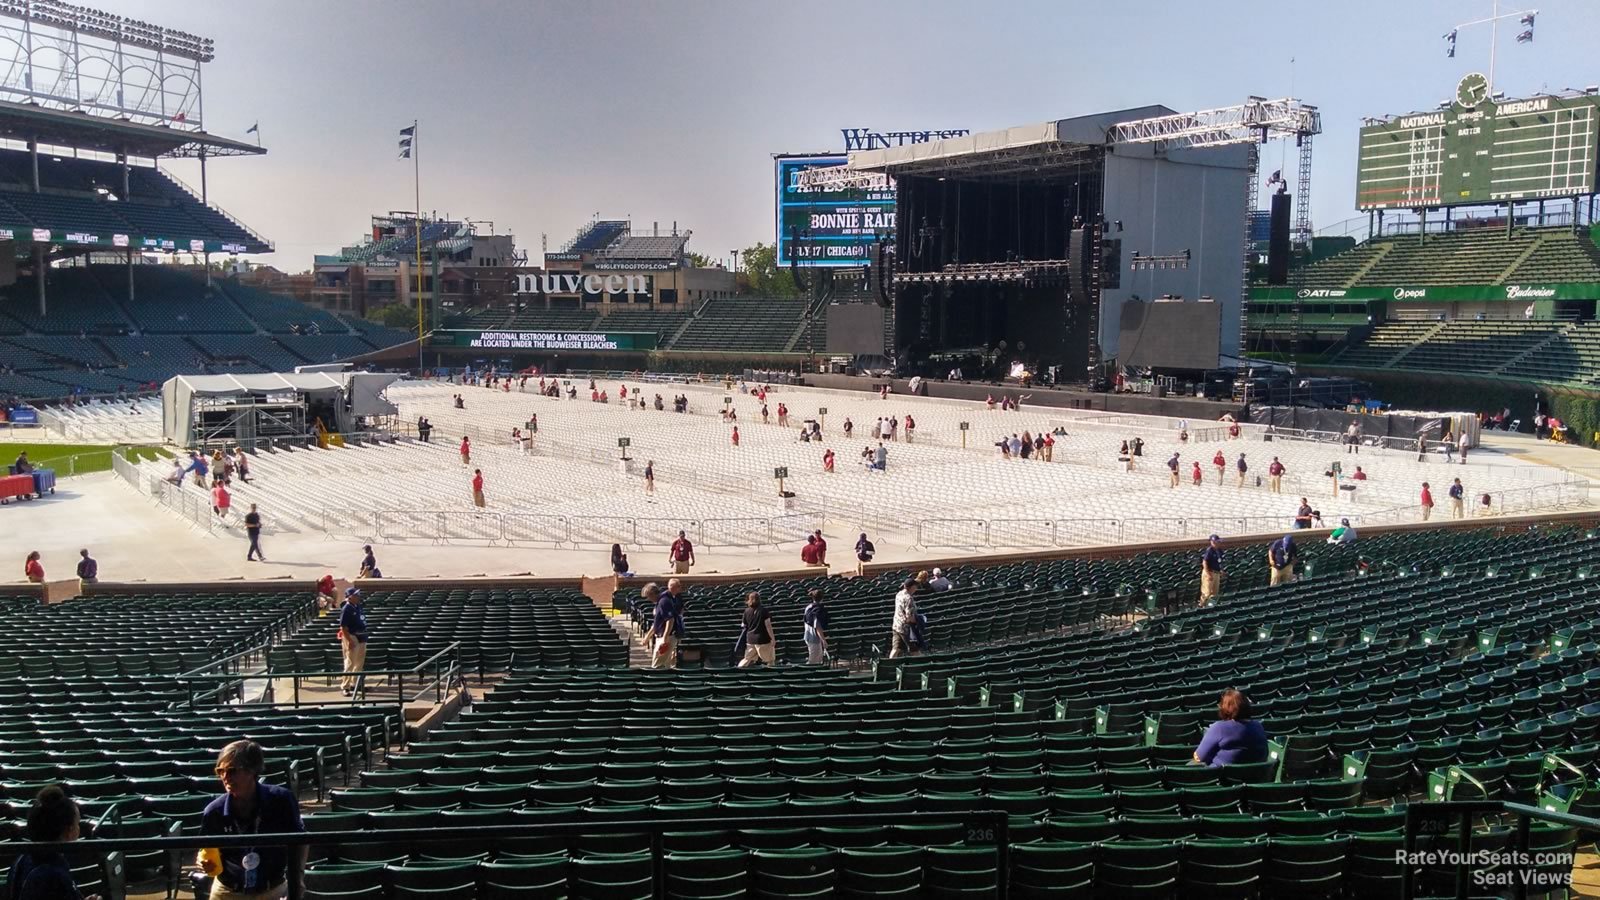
(1169,335)
(1335,421)
(1170,201)
(855,328)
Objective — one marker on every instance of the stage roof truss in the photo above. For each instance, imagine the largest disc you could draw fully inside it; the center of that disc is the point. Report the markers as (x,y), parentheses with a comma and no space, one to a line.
(1257,120)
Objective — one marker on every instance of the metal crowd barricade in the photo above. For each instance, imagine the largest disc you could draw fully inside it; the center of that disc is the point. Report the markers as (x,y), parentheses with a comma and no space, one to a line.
(408,524)
(1023,532)
(1084,532)
(531,528)
(746,532)
(662,532)
(603,530)
(953,533)
(338,521)
(470,526)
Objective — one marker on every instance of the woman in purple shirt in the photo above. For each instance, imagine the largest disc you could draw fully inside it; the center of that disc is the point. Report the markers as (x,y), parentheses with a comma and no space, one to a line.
(1235,737)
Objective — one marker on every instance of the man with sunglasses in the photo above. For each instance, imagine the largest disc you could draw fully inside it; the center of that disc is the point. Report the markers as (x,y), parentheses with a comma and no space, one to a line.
(250,807)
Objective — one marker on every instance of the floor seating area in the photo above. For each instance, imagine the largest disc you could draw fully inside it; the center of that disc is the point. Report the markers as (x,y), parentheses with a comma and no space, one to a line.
(1449,670)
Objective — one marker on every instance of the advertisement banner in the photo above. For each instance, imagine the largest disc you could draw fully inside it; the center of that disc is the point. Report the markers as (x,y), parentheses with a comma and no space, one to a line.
(817,227)
(1437,293)
(544,340)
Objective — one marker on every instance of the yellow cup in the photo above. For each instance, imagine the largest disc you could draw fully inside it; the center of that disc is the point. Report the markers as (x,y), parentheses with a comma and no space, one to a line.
(210,861)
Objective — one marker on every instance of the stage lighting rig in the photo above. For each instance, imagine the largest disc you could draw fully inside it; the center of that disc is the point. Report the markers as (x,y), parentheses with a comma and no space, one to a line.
(1144,261)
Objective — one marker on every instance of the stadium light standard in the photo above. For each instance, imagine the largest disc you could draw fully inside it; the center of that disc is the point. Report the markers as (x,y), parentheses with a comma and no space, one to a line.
(735,261)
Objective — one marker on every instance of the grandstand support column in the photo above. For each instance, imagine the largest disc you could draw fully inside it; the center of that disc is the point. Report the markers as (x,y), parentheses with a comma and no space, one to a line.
(130,275)
(33,159)
(203,200)
(38,277)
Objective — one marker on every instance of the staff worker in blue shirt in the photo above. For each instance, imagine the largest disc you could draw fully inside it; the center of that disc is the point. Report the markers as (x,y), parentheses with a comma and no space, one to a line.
(353,635)
(1211,571)
(250,807)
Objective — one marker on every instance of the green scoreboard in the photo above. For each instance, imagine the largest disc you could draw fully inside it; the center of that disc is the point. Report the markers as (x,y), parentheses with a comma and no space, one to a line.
(1480,150)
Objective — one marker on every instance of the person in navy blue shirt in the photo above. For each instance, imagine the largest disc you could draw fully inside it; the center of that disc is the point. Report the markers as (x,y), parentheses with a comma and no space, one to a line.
(816,627)
(353,635)
(1235,737)
(250,807)
(1281,556)
(666,625)
(46,875)
(1211,570)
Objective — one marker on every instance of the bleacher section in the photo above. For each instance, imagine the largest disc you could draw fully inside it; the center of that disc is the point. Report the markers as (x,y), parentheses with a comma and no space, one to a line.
(596,236)
(94,340)
(555,320)
(86,195)
(743,324)
(1451,651)
(1475,256)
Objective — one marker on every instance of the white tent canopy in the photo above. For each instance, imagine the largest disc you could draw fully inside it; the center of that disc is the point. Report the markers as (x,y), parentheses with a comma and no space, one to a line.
(362,392)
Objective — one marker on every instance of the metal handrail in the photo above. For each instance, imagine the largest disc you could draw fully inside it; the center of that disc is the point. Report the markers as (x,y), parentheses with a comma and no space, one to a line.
(1435,812)
(982,826)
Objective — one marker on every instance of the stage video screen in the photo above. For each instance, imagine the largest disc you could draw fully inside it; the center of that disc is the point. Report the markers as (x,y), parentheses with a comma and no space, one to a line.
(828,228)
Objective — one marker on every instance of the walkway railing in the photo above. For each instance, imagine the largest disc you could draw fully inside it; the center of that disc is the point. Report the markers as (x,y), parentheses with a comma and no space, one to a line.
(517,529)
(1051,533)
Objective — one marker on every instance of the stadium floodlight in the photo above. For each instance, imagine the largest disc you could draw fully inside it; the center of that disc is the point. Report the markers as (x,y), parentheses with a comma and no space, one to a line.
(83,20)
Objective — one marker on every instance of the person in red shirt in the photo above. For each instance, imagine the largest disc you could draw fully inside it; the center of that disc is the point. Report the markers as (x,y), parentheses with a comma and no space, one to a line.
(1275,474)
(33,570)
(1233,431)
(681,556)
(1359,475)
(1427,502)
(1195,476)
(466,452)
(221,499)
(783,416)
(736,435)
(827,460)
(1221,462)
(911,426)
(325,592)
(809,554)
(822,546)
(1049,447)
(477,487)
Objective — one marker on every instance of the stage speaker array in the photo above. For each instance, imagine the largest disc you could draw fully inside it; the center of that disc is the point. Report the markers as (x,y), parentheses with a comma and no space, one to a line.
(1078,264)
(1278,241)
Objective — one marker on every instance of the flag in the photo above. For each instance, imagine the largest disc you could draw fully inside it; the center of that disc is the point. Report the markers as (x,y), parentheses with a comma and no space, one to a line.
(407,134)
(1450,43)
(1527,20)
(406,153)
(1275,178)
(253,128)
(1525,37)
(408,131)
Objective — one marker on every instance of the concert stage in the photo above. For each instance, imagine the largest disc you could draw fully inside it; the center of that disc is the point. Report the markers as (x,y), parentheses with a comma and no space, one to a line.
(1028,242)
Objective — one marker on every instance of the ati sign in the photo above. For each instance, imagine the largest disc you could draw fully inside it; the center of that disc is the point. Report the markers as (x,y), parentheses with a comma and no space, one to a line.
(545,340)
(572,283)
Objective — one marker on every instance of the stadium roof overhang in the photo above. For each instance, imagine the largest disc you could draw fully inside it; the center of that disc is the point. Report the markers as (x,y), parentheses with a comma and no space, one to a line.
(1032,152)
(65,128)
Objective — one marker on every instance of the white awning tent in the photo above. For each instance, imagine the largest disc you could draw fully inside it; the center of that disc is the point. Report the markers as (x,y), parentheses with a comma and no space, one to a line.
(358,393)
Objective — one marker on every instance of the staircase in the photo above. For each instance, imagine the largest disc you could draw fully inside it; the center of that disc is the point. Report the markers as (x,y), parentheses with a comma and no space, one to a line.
(1364,268)
(1528,251)
(1432,333)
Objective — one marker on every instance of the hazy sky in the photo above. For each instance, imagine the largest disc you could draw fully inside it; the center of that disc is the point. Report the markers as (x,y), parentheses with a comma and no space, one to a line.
(537,115)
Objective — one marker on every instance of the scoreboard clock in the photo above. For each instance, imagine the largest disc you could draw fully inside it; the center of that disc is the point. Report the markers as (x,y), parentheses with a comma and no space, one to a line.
(1480,150)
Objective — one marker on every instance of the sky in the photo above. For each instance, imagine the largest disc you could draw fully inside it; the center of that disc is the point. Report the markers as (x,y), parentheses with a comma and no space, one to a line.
(539,114)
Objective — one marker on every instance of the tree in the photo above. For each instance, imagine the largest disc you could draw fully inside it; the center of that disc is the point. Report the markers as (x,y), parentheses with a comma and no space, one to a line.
(758,264)
(394,316)
(700,260)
